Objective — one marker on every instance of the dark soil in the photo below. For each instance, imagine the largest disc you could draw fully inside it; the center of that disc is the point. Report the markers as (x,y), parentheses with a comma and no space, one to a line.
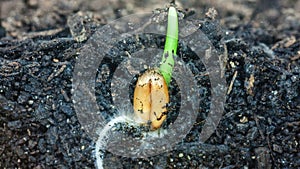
(260,127)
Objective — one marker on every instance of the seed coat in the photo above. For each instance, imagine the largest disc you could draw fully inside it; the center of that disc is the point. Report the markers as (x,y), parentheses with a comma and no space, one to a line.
(151,97)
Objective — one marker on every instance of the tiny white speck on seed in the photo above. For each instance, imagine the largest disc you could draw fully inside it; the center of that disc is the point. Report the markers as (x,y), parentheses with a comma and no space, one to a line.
(180,155)
(171,160)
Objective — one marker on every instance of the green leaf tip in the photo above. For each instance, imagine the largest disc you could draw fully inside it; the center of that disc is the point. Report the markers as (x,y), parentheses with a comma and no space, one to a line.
(172,32)
(167,63)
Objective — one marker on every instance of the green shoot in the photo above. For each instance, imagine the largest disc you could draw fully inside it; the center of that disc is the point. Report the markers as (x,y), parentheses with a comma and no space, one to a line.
(167,63)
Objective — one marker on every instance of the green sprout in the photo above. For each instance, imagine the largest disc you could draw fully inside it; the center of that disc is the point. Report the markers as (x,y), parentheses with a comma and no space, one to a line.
(167,62)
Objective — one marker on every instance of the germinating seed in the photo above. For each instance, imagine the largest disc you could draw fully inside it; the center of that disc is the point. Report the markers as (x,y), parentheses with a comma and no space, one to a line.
(150,99)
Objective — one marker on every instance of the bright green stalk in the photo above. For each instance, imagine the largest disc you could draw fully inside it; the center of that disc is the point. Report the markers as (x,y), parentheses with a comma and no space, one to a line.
(167,63)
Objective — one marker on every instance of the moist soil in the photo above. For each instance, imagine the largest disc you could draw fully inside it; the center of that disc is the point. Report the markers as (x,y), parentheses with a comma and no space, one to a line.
(259,42)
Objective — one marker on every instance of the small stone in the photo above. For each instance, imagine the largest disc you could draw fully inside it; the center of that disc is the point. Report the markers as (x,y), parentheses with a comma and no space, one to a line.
(232,64)
(22,98)
(244,119)
(65,108)
(242,127)
(31,144)
(180,155)
(211,13)
(22,141)
(14,124)
(277,148)
(19,151)
(55,60)
(77,27)
(252,133)
(33,3)
(37,167)
(263,157)
(30,102)
(294,78)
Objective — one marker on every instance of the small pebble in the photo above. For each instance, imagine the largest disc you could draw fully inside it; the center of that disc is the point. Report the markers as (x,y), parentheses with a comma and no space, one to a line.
(30,102)
(55,60)
(244,119)
(180,155)
(277,148)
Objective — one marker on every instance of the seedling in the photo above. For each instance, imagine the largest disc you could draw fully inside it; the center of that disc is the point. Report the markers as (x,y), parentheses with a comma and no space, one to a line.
(151,94)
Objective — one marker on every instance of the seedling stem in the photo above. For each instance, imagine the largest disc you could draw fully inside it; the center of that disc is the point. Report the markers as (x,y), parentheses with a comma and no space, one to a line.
(167,63)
